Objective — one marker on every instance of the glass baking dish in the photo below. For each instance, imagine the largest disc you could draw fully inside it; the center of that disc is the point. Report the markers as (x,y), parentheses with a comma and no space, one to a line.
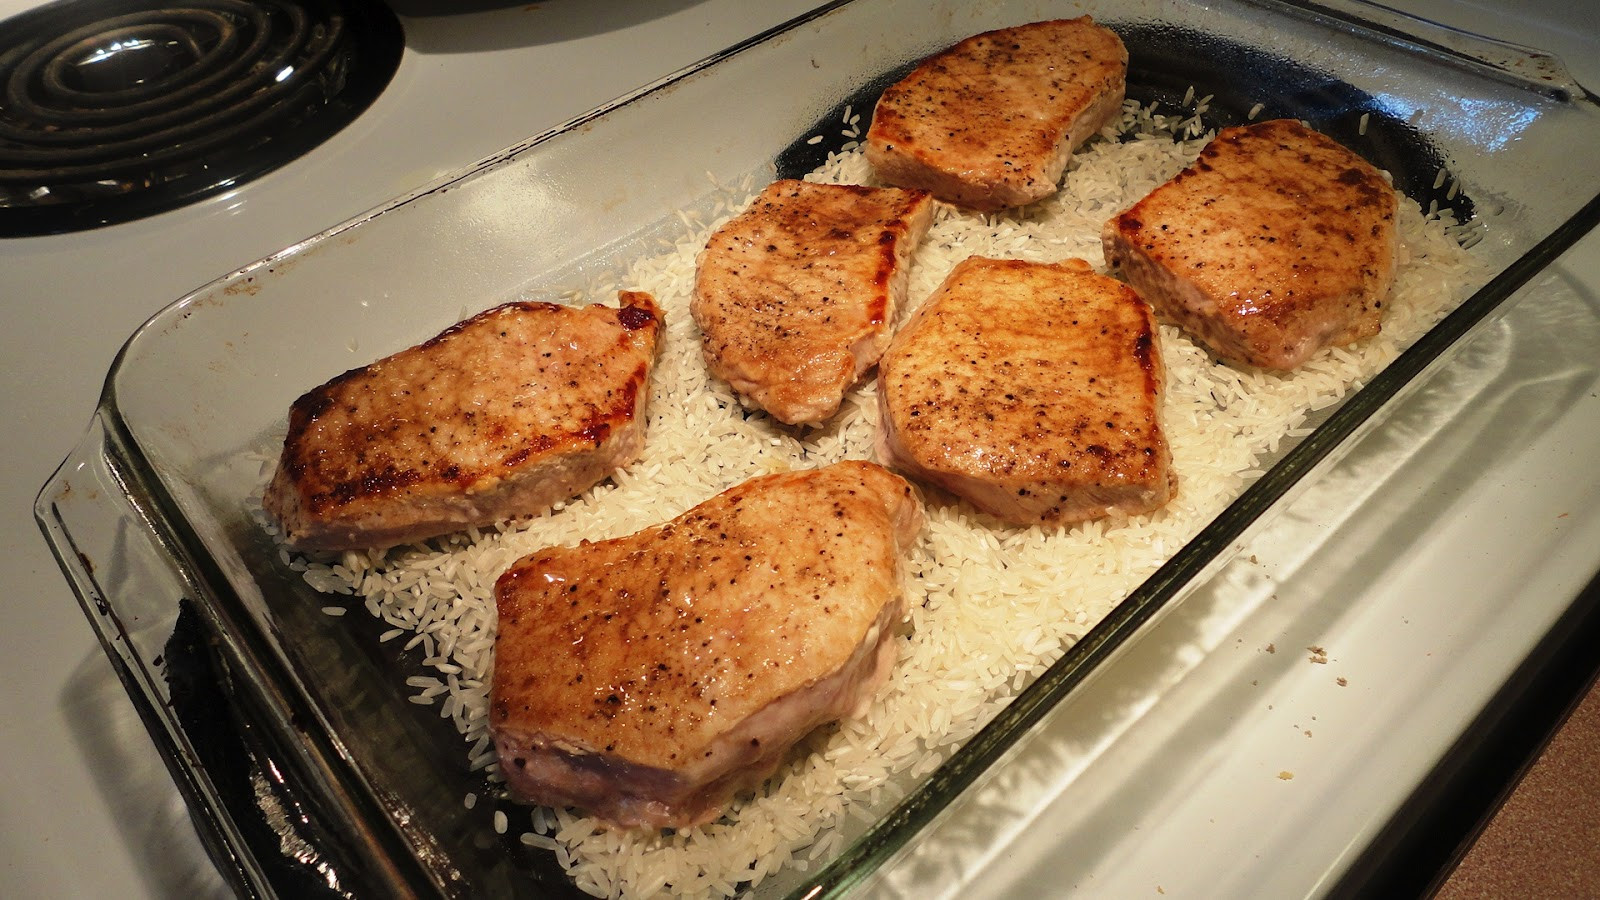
(290,731)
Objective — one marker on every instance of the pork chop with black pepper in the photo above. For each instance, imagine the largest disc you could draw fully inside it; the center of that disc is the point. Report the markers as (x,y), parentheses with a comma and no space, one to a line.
(1033,390)
(498,416)
(795,297)
(648,678)
(1276,243)
(992,122)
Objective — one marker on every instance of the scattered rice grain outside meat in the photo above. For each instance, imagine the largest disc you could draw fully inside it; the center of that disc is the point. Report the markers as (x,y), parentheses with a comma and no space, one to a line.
(991,606)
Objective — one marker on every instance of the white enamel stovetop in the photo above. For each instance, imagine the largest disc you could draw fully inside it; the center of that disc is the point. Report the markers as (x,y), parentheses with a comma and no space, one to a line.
(89,811)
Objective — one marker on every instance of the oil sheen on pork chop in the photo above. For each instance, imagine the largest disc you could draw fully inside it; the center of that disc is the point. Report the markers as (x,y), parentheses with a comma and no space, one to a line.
(796,295)
(1275,243)
(647,679)
(992,122)
(1032,390)
(498,416)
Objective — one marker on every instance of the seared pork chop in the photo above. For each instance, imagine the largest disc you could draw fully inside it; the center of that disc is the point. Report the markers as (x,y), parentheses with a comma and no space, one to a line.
(992,122)
(1032,390)
(646,679)
(796,295)
(498,416)
(1275,243)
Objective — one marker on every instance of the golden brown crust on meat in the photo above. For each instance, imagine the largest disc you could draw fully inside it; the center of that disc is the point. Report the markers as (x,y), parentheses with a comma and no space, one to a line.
(433,438)
(647,648)
(1031,389)
(794,297)
(1275,243)
(991,122)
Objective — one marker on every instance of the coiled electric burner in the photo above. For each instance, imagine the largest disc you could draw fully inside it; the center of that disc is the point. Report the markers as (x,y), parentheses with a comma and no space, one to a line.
(111,111)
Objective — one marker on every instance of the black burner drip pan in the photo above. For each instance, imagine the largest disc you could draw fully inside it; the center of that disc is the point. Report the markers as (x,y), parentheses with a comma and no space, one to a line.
(112,111)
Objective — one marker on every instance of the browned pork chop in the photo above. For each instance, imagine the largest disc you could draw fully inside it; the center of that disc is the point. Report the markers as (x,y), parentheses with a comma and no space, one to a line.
(497,416)
(796,295)
(992,122)
(1275,243)
(647,679)
(1032,390)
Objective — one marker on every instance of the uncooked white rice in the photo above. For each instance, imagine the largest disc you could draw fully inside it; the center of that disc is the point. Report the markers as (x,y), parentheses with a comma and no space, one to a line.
(992,605)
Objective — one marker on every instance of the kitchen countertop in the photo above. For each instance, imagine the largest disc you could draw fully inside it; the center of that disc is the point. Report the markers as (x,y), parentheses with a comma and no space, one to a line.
(1545,840)
(101,815)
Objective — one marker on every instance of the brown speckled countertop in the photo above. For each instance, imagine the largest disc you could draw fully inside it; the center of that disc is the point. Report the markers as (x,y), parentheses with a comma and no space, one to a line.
(1545,840)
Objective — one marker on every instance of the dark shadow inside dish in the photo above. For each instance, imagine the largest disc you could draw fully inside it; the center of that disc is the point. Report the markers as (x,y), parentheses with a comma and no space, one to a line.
(425,770)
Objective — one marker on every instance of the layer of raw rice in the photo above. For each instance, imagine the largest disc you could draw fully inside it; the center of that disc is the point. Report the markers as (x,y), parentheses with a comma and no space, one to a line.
(992,605)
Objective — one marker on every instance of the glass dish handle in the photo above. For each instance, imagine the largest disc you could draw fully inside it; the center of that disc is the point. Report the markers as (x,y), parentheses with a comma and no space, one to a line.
(112,557)
(125,582)
(1533,69)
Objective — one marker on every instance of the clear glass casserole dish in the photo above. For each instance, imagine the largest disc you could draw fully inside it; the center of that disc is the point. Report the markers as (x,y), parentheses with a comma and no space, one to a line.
(149,516)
